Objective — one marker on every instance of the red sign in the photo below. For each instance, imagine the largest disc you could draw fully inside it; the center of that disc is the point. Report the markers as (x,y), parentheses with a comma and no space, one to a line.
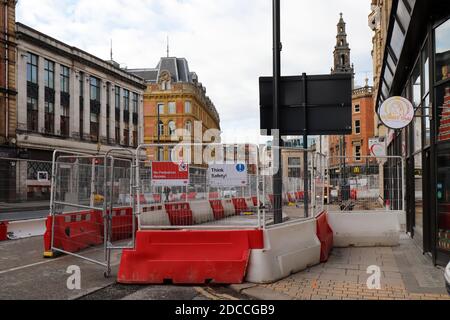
(169,174)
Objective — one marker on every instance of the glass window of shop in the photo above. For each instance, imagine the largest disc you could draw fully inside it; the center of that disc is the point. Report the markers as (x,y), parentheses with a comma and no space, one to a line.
(442,102)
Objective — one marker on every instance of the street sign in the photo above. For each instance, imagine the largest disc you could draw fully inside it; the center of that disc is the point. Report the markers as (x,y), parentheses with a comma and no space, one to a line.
(328,100)
(377,147)
(396,113)
(170,174)
(228,175)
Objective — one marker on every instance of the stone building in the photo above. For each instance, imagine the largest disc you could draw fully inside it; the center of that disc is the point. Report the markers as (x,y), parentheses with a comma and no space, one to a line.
(67,99)
(8,89)
(353,147)
(175,99)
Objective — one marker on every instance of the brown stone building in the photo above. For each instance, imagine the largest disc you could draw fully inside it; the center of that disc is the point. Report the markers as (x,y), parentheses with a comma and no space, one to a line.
(355,146)
(174,100)
(8,90)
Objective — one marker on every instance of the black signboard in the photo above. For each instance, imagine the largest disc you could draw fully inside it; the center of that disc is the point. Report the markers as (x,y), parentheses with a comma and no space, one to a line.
(328,102)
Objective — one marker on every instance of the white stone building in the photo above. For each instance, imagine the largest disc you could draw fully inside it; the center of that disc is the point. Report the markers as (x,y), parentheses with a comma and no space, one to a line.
(70,99)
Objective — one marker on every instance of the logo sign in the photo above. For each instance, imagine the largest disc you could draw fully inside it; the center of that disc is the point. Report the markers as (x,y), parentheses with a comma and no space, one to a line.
(228,175)
(377,147)
(396,113)
(169,174)
(42,176)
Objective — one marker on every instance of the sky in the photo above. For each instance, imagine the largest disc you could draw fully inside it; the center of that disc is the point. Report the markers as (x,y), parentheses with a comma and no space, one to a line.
(228,43)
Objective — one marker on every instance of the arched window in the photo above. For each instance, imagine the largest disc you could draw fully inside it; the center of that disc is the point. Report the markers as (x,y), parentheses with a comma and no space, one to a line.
(161,128)
(343,60)
(188,127)
(172,128)
(342,43)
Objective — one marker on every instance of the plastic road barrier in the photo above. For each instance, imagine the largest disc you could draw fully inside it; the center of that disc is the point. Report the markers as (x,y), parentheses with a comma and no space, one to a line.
(365,229)
(228,207)
(73,231)
(289,248)
(154,215)
(218,210)
(325,235)
(189,257)
(180,214)
(240,205)
(202,211)
(3,231)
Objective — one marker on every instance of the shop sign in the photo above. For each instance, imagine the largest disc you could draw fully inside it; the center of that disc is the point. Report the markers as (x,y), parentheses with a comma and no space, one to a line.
(396,113)
(377,147)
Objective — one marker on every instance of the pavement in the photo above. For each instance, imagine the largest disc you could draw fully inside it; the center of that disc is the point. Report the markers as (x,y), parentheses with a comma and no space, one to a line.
(406,274)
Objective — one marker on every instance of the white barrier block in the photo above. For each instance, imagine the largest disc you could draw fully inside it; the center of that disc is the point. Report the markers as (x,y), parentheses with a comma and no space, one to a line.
(250,204)
(155,215)
(365,229)
(26,228)
(228,207)
(201,212)
(289,248)
(149,198)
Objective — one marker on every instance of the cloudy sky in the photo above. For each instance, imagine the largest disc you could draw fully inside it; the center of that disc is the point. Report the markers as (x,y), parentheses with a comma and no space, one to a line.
(227,42)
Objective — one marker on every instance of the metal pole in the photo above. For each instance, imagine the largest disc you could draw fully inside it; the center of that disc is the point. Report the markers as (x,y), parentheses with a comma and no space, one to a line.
(305,148)
(278,177)
(159,132)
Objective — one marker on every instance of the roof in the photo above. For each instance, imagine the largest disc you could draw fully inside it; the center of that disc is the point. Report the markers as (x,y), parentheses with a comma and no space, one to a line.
(177,67)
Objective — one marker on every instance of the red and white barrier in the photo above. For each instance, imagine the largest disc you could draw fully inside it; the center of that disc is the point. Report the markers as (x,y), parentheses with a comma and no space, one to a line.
(154,215)
(228,207)
(22,229)
(202,212)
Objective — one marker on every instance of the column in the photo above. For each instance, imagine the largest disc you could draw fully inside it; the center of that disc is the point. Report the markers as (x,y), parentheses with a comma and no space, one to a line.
(41,100)
(74,88)
(22,90)
(87,109)
(140,119)
(122,126)
(103,112)
(57,99)
(112,114)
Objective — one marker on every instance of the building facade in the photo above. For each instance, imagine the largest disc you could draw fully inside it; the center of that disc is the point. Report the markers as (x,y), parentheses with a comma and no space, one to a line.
(8,91)
(347,152)
(416,65)
(378,22)
(175,99)
(67,99)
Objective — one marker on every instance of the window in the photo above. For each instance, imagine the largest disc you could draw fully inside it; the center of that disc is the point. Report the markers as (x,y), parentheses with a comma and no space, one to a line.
(161,108)
(49,117)
(49,74)
(32,111)
(172,128)
(357,151)
(65,74)
(172,108)
(81,104)
(357,108)
(357,126)
(117,131)
(166,85)
(32,68)
(65,121)
(294,167)
(443,195)
(188,127)
(418,193)
(135,103)
(187,107)
(126,100)
(126,135)
(417,89)
(95,89)
(161,153)
(135,138)
(442,58)
(160,128)
(94,127)
(117,97)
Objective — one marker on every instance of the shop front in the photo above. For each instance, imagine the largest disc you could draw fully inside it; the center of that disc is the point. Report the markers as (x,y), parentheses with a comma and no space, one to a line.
(417,67)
